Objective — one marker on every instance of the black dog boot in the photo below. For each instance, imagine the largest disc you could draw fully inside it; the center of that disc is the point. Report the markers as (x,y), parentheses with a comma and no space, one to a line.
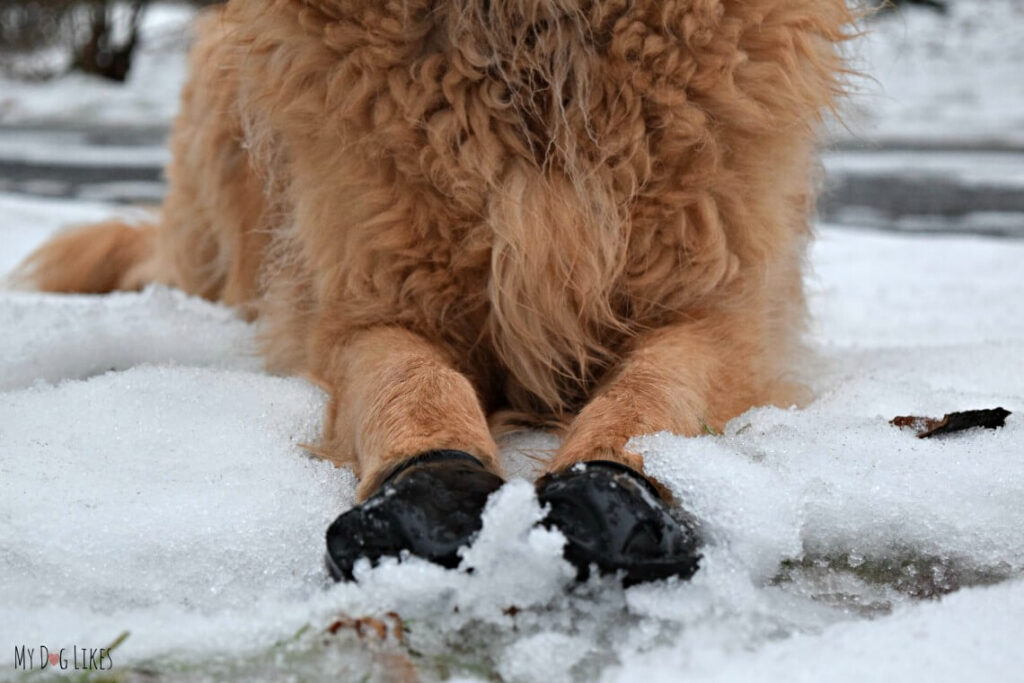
(614,518)
(429,507)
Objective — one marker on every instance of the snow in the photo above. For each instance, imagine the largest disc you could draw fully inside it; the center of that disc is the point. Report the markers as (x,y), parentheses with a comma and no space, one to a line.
(123,331)
(152,480)
(941,293)
(151,96)
(934,77)
(971,635)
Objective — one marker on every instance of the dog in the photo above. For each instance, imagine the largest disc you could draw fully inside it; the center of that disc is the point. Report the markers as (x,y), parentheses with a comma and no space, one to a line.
(463,216)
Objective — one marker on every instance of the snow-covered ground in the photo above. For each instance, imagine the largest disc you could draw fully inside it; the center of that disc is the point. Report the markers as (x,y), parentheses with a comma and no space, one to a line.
(152,481)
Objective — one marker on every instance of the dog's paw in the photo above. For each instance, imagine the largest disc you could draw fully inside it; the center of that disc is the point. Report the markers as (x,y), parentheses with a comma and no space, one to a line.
(430,508)
(614,519)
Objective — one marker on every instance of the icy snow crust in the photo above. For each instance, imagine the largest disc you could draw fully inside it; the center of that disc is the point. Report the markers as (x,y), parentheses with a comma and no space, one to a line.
(153,481)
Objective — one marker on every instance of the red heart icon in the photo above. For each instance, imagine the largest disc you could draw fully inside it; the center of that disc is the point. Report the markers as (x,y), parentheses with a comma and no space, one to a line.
(54,658)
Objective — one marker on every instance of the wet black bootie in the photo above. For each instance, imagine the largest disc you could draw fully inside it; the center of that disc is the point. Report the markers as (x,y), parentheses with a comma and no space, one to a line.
(429,507)
(614,518)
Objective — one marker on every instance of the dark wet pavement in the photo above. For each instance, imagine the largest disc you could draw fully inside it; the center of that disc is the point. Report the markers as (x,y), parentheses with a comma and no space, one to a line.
(946,187)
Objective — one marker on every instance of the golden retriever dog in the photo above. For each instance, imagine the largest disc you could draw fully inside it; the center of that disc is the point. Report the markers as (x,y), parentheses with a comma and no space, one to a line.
(461,215)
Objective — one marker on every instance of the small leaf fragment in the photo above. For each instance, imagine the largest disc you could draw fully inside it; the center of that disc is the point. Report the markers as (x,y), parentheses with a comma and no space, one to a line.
(927,427)
(915,422)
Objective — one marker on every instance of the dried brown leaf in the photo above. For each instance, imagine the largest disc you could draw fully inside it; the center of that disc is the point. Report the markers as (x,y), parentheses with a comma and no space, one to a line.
(927,427)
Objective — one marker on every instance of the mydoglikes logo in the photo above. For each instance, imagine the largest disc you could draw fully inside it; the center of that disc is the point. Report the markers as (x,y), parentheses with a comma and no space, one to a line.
(73,658)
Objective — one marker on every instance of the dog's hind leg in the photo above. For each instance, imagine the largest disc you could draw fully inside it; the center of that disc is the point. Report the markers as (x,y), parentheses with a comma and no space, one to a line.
(92,259)
(414,428)
(210,235)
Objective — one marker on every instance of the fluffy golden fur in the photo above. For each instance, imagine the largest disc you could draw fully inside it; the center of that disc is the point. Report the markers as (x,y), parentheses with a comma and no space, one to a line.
(583,213)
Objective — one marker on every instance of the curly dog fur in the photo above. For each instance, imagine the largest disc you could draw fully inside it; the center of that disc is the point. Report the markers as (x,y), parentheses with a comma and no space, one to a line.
(589,214)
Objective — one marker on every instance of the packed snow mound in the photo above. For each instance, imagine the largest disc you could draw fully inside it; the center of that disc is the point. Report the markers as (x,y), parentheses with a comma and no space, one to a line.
(161,326)
(154,481)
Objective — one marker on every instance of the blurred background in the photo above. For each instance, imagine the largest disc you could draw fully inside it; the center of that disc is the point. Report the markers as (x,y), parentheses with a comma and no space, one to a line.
(932,139)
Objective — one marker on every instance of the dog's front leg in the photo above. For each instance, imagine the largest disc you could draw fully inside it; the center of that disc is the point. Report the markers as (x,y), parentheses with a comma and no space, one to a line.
(676,379)
(394,396)
(683,379)
(415,430)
